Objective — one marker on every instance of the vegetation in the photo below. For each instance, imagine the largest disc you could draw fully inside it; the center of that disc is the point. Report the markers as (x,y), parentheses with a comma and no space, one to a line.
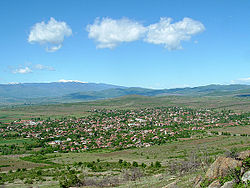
(128,142)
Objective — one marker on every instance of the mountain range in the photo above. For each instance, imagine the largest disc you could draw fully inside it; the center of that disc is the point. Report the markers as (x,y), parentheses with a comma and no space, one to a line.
(59,92)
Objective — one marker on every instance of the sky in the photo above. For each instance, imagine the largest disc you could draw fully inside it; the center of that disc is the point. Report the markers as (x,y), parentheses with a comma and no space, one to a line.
(134,43)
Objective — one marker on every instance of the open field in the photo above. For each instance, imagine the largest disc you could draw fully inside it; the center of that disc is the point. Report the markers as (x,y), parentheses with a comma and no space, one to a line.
(234,130)
(13,163)
(179,150)
(128,102)
(15,141)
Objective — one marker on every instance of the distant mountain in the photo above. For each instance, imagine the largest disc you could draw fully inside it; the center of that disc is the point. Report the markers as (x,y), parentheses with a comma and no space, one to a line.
(59,92)
(210,90)
(54,89)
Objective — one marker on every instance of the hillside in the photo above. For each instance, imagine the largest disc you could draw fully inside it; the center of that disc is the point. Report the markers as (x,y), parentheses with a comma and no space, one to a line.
(54,89)
(46,93)
(210,90)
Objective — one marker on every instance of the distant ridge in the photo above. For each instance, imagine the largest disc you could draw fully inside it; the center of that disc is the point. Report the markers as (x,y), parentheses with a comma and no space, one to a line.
(210,90)
(53,89)
(60,92)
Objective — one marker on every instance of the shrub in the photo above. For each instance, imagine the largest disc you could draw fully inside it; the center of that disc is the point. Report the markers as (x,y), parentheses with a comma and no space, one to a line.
(143,165)
(120,161)
(135,164)
(157,164)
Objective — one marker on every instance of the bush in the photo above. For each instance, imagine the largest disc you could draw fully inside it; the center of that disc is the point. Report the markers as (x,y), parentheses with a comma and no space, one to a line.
(28,181)
(135,164)
(133,174)
(157,164)
(143,165)
(120,161)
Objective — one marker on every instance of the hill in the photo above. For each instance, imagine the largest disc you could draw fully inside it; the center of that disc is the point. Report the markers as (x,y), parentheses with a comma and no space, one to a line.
(46,93)
(54,89)
(210,90)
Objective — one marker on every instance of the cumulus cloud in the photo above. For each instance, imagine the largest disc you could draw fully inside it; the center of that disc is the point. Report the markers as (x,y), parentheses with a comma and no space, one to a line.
(50,34)
(23,70)
(108,33)
(171,34)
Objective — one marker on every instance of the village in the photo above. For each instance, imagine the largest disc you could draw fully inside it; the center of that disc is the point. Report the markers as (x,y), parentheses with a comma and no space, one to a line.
(120,129)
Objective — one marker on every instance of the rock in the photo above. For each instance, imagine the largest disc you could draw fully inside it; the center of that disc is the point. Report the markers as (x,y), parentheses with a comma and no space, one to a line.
(215,184)
(246,177)
(228,184)
(221,167)
(243,155)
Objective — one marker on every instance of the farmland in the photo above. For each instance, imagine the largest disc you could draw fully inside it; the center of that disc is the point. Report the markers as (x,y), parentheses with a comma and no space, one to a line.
(124,142)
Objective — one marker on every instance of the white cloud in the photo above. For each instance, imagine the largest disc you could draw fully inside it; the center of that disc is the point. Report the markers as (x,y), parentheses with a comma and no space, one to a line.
(51,34)
(43,67)
(64,81)
(241,81)
(108,33)
(171,34)
(245,79)
(29,67)
(24,70)
(53,48)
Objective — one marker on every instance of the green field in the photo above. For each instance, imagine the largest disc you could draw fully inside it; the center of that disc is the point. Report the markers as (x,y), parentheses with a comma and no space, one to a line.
(207,147)
(127,102)
(15,141)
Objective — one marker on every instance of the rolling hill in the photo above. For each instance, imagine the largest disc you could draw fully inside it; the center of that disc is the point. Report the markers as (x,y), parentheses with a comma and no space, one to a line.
(57,92)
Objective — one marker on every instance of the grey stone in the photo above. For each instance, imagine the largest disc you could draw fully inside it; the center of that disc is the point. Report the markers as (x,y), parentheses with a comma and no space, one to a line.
(228,184)
(246,177)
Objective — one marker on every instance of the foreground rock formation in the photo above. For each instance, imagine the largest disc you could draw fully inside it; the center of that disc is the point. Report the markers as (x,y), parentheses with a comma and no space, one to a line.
(236,169)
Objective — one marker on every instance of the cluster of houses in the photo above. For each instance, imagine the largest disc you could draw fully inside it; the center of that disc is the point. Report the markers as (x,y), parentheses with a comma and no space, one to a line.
(123,128)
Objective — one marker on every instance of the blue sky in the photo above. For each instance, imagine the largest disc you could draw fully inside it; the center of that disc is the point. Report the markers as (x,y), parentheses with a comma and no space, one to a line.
(153,44)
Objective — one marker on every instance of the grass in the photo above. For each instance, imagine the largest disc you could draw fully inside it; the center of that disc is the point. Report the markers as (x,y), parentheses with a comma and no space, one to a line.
(165,153)
(234,130)
(15,141)
(127,102)
(13,163)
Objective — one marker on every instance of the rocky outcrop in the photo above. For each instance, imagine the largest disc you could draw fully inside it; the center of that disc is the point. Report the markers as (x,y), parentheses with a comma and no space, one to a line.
(224,166)
(228,184)
(243,155)
(221,167)
(246,177)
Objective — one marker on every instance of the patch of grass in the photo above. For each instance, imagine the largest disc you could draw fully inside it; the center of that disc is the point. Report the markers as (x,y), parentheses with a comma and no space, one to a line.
(15,141)
(40,158)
